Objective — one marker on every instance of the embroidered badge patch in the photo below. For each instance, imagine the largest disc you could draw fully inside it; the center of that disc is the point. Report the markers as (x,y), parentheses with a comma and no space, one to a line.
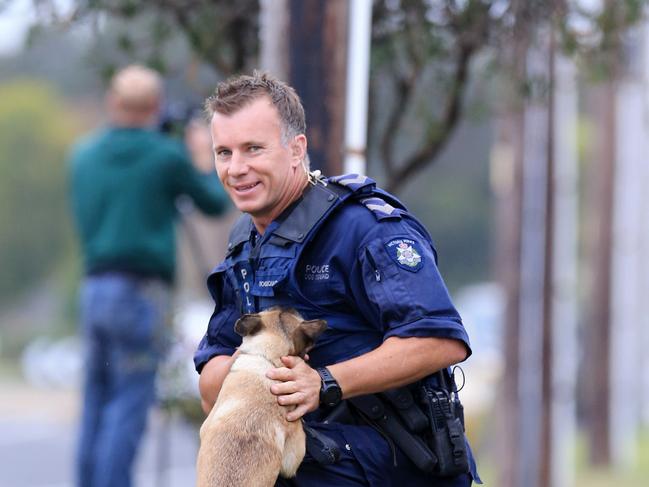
(405,252)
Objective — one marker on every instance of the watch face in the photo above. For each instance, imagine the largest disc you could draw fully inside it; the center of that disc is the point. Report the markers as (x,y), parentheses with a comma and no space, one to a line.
(331,395)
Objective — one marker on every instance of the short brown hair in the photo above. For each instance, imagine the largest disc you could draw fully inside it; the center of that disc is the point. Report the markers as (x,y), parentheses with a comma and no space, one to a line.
(237,92)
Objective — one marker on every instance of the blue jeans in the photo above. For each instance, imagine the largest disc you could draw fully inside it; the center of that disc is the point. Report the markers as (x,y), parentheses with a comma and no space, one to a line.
(124,323)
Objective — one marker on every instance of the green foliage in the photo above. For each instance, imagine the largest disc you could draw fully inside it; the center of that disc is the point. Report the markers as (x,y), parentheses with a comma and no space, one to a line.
(221,33)
(35,131)
(411,38)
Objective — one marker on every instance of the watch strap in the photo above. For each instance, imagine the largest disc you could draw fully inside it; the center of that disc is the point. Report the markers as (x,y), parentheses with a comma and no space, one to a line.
(326,376)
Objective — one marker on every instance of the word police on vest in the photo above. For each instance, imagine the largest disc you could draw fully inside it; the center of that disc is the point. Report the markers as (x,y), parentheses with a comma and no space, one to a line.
(316,272)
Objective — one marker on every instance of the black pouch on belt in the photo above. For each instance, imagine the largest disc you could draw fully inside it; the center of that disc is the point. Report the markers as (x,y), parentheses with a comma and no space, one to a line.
(382,415)
(404,404)
(445,435)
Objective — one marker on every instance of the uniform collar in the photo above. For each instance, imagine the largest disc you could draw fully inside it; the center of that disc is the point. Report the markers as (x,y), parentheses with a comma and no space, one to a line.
(294,223)
(298,220)
(240,233)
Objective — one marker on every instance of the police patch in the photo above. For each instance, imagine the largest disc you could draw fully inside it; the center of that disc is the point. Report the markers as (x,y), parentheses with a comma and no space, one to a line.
(406,253)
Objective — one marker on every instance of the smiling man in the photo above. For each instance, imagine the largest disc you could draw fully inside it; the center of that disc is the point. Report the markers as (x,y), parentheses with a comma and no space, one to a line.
(341,250)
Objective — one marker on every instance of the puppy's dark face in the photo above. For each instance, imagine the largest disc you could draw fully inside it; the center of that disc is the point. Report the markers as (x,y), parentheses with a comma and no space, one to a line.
(283,323)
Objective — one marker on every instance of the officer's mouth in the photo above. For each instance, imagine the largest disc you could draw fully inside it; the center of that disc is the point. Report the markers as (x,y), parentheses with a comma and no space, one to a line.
(245,188)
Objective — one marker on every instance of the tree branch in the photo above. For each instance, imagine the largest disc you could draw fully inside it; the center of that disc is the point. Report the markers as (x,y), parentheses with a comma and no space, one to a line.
(438,134)
(405,85)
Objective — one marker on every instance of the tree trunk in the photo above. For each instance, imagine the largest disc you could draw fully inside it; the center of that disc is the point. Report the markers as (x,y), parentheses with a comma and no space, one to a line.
(564,279)
(597,356)
(547,354)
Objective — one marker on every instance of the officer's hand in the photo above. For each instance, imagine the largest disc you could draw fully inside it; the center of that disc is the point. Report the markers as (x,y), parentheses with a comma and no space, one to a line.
(299,385)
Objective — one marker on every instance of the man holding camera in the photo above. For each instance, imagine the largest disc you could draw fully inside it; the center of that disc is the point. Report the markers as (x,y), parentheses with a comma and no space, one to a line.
(124,181)
(342,250)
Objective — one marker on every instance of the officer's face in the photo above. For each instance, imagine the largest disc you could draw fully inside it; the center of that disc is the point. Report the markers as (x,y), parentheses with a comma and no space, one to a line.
(261,175)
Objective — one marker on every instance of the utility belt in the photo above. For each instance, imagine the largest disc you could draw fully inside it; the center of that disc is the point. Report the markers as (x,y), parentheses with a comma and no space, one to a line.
(425,421)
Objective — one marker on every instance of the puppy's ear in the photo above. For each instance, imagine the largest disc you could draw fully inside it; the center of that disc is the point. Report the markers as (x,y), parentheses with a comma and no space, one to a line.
(248,325)
(311,330)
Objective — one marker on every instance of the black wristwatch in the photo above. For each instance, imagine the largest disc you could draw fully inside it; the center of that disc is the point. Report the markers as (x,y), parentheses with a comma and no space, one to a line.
(330,392)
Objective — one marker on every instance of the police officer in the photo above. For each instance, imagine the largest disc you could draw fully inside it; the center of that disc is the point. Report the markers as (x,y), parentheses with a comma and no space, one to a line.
(338,249)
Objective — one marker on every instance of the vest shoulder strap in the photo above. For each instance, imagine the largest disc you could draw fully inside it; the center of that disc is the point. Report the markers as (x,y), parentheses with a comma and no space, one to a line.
(317,202)
(239,233)
(382,204)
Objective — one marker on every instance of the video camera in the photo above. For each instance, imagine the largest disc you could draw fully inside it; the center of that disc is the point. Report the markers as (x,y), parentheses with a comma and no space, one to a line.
(175,117)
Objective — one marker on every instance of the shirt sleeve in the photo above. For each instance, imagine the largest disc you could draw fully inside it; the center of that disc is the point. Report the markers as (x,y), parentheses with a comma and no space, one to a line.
(220,338)
(403,286)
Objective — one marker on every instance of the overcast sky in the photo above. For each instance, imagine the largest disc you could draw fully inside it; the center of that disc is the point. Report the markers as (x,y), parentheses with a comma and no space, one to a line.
(13,25)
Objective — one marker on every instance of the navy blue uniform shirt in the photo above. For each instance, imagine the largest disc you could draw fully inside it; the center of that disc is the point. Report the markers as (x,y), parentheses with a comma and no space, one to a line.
(344,254)
(369,275)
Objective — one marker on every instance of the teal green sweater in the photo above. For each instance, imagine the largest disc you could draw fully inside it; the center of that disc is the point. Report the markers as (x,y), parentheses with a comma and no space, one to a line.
(124,183)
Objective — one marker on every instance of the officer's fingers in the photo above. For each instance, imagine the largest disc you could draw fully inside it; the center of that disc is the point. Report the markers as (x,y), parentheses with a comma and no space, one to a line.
(291,361)
(300,411)
(281,388)
(295,398)
(297,413)
(281,373)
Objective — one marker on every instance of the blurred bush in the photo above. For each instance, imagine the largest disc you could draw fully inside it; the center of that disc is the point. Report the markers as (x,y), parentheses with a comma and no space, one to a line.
(36,130)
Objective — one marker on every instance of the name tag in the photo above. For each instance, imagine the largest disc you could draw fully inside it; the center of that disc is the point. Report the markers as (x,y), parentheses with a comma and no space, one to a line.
(265,281)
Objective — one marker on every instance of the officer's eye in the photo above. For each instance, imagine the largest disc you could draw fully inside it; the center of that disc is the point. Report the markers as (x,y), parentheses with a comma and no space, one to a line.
(223,154)
(254,148)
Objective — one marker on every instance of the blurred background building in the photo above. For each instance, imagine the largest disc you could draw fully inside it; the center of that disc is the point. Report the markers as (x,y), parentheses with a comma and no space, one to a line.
(517,129)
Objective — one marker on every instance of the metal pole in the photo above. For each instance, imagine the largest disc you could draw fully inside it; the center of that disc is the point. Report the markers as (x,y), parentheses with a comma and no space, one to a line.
(358,70)
(273,20)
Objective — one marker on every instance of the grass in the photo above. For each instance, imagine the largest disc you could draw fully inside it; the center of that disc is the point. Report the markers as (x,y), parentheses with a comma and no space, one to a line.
(636,476)
(585,474)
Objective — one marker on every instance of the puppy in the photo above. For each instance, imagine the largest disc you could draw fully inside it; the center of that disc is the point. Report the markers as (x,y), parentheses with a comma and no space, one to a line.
(246,439)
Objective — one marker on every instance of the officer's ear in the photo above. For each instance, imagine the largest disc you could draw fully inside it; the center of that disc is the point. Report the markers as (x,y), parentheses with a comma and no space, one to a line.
(298,149)
(248,325)
(310,331)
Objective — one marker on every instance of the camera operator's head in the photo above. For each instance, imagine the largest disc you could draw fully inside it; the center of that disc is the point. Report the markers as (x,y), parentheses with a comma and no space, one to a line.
(134,97)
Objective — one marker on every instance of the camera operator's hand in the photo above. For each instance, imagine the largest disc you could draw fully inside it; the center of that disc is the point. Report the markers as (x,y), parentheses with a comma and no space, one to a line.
(199,144)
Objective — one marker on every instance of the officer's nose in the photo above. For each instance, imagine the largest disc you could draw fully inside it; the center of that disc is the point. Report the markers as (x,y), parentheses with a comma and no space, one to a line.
(238,165)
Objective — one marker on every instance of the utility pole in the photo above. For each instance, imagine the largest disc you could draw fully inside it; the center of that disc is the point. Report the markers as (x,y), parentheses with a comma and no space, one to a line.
(317,62)
(304,42)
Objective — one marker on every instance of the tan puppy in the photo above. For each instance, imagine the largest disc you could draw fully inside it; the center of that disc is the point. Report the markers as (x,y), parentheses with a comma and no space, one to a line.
(246,439)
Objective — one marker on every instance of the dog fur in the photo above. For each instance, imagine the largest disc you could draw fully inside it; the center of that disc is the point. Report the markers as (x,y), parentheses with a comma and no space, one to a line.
(246,439)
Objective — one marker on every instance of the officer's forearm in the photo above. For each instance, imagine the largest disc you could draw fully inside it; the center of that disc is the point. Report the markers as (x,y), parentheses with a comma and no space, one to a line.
(211,379)
(398,361)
